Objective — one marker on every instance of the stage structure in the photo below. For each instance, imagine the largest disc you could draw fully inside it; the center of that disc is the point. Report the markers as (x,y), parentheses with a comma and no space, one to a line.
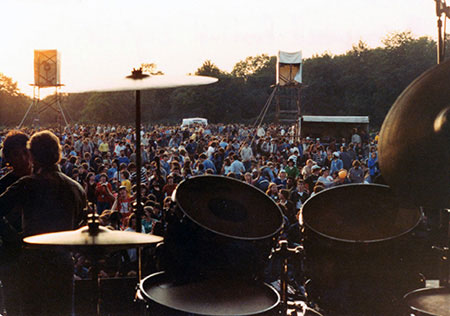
(289,83)
(286,92)
(46,75)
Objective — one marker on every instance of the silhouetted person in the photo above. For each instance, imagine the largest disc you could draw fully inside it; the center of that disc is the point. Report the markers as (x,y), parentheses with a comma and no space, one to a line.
(17,156)
(50,202)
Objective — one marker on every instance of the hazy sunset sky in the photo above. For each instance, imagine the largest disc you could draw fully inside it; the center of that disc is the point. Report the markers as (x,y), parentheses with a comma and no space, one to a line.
(99,39)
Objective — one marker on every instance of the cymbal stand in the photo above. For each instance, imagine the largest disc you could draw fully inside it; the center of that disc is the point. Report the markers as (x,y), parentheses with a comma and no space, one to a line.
(138,249)
(441,8)
(286,253)
(137,74)
(93,224)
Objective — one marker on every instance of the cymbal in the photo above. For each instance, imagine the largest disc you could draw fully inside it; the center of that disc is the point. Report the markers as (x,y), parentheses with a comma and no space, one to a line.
(414,151)
(82,239)
(145,83)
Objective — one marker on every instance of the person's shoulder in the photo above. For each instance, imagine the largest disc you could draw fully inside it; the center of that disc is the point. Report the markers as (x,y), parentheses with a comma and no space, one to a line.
(10,178)
(7,179)
(70,181)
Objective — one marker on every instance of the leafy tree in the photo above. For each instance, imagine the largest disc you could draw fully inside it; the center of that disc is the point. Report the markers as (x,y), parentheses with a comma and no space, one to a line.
(251,65)
(209,69)
(8,86)
(151,68)
(13,103)
(363,81)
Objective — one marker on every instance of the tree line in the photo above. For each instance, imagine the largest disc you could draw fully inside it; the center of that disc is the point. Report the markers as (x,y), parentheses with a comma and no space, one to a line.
(363,81)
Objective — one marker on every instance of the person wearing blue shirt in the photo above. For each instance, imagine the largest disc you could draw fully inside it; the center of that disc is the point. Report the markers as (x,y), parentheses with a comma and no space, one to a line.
(281,180)
(208,164)
(123,159)
(112,171)
(164,163)
(223,143)
(372,163)
(336,163)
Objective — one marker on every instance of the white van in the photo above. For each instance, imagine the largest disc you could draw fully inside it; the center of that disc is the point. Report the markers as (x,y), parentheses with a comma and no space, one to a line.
(194,120)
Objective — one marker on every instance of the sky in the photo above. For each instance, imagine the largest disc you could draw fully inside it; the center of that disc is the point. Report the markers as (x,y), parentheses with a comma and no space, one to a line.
(102,39)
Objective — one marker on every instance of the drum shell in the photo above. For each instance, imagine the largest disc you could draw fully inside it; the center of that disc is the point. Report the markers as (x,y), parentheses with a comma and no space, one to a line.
(353,276)
(220,226)
(191,251)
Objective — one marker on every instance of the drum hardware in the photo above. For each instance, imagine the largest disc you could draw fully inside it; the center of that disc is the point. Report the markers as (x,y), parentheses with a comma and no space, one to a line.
(444,265)
(2,301)
(286,254)
(299,308)
(94,241)
(138,249)
(434,301)
(441,9)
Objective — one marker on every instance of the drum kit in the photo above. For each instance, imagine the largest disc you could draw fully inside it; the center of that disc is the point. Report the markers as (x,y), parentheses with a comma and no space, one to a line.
(358,240)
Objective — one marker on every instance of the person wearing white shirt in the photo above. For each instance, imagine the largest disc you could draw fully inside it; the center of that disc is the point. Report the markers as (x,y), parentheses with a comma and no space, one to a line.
(325,177)
(119,147)
(211,150)
(237,167)
(247,156)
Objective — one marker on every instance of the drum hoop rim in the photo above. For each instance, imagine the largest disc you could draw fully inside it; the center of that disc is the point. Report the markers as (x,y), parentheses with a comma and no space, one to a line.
(350,241)
(147,297)
(222,233)
(422,290)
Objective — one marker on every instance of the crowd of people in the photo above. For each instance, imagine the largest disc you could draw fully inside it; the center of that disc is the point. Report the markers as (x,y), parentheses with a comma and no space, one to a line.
(102,159)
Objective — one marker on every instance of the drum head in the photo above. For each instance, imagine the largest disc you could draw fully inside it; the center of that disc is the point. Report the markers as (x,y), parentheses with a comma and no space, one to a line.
(229,207)
(210,297)
(431,301)
(358,213)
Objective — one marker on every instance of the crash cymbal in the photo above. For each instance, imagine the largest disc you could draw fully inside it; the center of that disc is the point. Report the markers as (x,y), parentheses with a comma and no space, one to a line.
(144,83)
(104,238)
(414,151)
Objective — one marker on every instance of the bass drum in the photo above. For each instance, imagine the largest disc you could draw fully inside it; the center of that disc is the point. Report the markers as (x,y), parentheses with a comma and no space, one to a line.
(360,255)
(214,296)
(221,226)
(429,302)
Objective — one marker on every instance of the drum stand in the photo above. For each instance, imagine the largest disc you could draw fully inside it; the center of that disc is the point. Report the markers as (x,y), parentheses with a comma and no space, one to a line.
(287,253)
(93,224)
(95,256)
(431,299)
(444,250)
